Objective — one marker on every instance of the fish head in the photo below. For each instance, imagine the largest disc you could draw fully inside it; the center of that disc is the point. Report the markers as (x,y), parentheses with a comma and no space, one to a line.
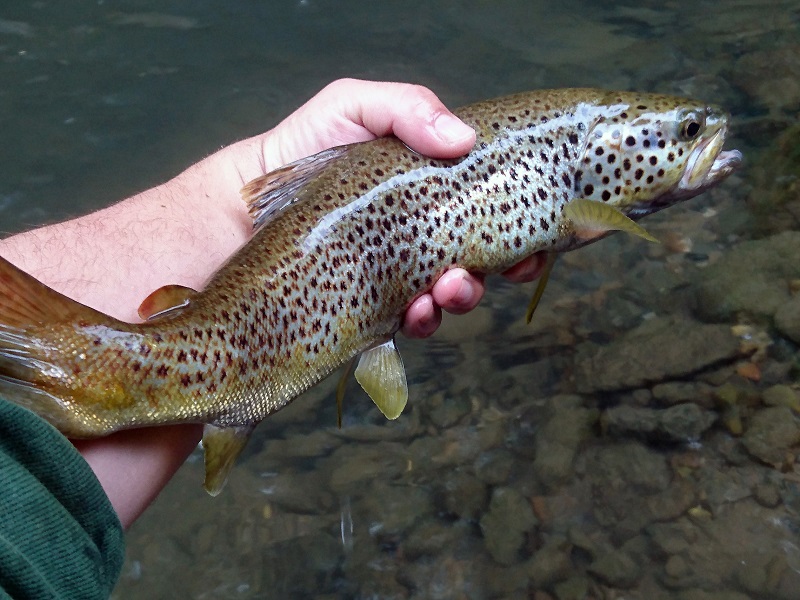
(650,152)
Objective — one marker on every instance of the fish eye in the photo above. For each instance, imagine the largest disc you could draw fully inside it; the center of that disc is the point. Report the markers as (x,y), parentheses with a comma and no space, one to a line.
(691,126)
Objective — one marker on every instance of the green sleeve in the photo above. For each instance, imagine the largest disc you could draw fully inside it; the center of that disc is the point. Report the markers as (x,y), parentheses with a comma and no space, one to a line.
(59,534)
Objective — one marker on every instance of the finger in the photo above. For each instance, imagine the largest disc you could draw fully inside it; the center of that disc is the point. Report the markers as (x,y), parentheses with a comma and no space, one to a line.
(527,269)
(411,112)
(458,291)
(422,318)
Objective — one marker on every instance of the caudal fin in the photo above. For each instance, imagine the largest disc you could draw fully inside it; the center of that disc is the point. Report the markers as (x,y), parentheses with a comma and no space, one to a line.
(26,301)
(28,311)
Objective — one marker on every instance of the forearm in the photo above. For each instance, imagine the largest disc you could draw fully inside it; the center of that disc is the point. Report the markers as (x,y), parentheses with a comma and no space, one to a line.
(176,233)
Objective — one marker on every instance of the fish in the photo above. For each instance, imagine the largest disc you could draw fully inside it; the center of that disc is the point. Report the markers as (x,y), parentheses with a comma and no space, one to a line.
(343,242)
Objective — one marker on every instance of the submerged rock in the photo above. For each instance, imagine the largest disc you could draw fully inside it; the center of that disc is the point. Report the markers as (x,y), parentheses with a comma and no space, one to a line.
(775,199)
(677,424)
(781,395)
(658,350)
(510,516)
(771,434)
(787,319)
(616,568)
(551,563)
(677,392)
(631,466)
(463,495)
(560,437)
(751,278)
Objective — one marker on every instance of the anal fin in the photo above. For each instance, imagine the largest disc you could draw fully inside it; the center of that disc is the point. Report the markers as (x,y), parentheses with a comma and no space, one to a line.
(221,447)
(381,373)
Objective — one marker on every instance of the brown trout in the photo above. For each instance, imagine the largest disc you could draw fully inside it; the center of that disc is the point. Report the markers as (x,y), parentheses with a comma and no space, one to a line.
(344,240)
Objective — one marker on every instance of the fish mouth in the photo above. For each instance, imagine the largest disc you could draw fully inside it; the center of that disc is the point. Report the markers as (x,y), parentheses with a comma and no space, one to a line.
(709,163)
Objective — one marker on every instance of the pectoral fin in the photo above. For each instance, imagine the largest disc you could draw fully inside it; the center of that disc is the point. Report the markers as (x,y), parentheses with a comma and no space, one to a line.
(543,279)
(380,372)
(593,218)
(221,446)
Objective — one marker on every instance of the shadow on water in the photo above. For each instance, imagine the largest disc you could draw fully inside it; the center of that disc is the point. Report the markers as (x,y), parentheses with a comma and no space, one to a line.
(639,440)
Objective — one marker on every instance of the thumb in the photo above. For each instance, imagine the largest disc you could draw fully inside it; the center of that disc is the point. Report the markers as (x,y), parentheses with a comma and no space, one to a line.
(411,112)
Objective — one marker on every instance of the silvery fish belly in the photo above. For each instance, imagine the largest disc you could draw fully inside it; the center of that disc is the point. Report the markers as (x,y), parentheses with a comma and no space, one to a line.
(344,241)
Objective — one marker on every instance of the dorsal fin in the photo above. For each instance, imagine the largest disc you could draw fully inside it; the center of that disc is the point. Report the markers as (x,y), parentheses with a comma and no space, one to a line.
(266,196)
(166,300)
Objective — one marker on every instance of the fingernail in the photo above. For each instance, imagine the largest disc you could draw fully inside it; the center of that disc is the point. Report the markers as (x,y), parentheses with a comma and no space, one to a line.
(451,129)
(426,321)
(465,293)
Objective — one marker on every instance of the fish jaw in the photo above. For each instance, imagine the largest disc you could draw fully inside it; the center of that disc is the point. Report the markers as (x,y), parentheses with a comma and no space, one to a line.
(708,164)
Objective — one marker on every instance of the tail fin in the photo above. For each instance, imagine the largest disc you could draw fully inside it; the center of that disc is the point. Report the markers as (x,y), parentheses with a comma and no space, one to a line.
(28,309)
(26,301)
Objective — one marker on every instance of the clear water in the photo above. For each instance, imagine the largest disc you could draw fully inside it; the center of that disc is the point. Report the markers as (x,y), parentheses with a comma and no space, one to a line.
(499,481)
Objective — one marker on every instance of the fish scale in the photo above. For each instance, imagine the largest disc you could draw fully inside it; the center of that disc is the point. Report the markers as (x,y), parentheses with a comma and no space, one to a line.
(344,242)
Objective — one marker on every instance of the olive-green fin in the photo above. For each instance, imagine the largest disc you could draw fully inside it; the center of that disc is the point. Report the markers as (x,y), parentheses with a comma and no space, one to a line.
(166,300)
(381,373)
(221,447)
(543,279)
(593,218)
(341,387)
(269,194)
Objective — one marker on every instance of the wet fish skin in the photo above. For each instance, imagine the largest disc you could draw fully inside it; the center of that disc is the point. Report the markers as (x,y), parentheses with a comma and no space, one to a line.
(345,240)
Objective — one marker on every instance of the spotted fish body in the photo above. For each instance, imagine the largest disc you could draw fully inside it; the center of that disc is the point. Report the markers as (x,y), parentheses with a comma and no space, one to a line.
(344,241)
